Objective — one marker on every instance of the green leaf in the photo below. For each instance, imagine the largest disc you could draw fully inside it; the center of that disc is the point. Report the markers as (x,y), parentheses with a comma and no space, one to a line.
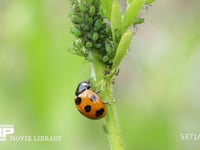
(122,48)
(132,12)
(116,19)
(106,6)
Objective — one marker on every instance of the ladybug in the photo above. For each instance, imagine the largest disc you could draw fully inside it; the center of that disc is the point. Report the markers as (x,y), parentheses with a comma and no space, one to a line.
(88,102)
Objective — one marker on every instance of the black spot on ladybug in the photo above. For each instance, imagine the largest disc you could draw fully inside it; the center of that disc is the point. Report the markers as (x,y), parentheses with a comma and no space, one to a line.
(87,108)
(93,98)
(78,100)
(99,112)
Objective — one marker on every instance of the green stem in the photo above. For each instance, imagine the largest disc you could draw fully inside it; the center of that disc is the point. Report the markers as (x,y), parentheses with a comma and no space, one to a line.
(112,124)
(112,127)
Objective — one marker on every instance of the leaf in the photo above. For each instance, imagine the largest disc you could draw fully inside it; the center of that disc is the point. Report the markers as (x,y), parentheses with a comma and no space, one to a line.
(106,6)
(116,19)
(132,12)
(122,48)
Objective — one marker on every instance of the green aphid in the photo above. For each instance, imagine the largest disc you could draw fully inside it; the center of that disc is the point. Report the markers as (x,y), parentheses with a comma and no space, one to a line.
(78,43)
(105,58)
(95,36)
(90,21)
(98,24)
(82,8)
(76,32)
(92,10)
(86,18)
(138,21)
(108,48)
(90,36)
(84,50)
(98,45)
(76,19)
(108,30)
(86,27)
(89,45)
(149,2)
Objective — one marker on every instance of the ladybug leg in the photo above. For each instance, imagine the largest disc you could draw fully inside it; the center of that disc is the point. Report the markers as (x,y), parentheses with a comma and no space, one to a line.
(97,92)
(90,81)
(105,129)
(107,103)
(113,101)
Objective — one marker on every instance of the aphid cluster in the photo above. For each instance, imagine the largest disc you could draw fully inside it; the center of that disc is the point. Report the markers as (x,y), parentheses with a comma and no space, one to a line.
(93,34)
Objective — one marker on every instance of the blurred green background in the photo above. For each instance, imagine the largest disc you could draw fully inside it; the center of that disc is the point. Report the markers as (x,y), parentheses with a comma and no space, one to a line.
(157,89)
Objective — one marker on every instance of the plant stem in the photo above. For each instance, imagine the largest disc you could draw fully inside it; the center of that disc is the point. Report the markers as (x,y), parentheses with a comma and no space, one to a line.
(112,124)
(112,127)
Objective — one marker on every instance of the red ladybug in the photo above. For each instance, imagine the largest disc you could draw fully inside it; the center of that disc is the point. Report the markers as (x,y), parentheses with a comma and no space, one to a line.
(88,102)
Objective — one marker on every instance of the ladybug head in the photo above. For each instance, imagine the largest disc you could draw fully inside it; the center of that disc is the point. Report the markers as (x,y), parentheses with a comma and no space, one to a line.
(82,87)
